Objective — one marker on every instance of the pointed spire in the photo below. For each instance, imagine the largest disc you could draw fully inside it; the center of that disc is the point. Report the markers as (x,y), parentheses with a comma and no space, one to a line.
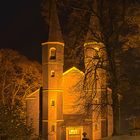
(55,34)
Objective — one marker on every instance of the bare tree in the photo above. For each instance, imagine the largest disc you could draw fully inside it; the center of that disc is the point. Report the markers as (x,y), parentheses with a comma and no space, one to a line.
(19,77)
(108,23)
(115,24)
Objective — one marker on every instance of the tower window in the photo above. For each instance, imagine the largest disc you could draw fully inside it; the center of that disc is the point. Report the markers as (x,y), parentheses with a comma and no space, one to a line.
(96,127)
(52,103)
(53,128)
(52,73)
(52,53)
(95,101)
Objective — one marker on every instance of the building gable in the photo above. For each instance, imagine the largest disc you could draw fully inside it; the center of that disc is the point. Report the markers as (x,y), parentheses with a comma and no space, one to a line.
(72,80)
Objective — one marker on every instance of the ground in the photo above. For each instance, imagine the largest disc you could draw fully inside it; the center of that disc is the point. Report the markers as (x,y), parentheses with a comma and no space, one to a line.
(123,137)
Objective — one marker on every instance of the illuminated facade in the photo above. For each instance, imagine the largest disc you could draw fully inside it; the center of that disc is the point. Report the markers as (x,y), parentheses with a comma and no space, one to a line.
(54,111)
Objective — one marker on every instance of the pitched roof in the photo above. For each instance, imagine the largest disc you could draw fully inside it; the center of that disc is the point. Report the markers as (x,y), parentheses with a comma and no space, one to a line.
(73,69)
(36,92)
(33,94)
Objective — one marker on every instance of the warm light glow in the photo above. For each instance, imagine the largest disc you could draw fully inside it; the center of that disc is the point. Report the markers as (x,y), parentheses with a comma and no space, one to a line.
(52,53)
(96,48)
(52,43)
(54,90)
(71,69)
(88,120)
(53,120)
(94,43)
(74,131)
(33,93)
(52,73)
(90,43)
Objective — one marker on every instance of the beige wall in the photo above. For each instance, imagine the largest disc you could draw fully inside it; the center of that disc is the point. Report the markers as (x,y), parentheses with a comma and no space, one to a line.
(32,104)
(71,78)
(71,114)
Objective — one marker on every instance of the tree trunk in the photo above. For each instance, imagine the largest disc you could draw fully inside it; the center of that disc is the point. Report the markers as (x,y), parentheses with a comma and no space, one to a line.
(116,115)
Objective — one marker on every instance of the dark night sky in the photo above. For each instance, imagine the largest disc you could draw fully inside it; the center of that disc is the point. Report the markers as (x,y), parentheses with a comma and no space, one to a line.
(21,27)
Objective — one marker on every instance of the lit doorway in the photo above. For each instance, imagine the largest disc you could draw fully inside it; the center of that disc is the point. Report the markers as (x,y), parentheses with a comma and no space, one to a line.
(74,133)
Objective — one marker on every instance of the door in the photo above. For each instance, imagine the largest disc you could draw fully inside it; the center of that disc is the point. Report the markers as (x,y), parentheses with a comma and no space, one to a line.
(74,133)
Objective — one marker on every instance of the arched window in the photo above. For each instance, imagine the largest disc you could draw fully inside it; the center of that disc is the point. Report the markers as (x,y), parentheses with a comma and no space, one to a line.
(52,53)
(96,127)
(52,102)
(53,128)
(52,73)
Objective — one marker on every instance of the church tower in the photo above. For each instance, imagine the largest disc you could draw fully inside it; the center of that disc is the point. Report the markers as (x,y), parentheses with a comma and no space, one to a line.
(52,63)
(95,64)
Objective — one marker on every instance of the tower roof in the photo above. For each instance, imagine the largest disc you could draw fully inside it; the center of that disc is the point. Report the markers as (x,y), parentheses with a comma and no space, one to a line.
(93,27)
(89,36)
(55,34)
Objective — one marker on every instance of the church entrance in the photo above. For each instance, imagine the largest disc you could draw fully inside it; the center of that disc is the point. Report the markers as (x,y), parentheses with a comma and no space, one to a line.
(74,133)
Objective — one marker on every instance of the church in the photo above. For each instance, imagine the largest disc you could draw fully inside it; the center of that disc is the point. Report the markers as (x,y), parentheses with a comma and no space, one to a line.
(53,109)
